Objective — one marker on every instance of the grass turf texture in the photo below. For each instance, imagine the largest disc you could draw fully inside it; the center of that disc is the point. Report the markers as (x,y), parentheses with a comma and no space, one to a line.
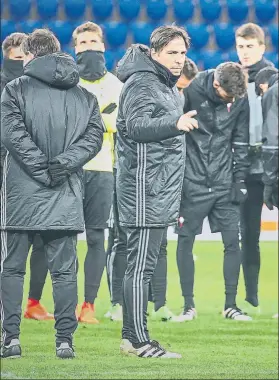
(212,347)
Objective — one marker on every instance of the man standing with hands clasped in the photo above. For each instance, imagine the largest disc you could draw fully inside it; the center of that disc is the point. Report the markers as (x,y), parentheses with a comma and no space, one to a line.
(151,159)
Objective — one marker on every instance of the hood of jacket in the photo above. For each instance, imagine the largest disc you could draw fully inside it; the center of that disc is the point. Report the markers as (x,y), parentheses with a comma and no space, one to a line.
(273,80)
(203,84)
(137,59)
(58,70)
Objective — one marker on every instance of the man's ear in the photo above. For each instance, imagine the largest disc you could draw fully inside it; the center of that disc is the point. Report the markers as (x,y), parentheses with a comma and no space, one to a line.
(216,84)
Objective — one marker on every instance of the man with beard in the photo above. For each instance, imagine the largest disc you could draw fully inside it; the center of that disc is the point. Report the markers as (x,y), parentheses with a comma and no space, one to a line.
(12,68)
(98,173)
(151,158)
(215,171)
(250,47)
(50,128)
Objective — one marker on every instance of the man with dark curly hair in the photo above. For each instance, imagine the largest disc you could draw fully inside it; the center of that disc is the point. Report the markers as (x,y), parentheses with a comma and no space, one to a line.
(215,170)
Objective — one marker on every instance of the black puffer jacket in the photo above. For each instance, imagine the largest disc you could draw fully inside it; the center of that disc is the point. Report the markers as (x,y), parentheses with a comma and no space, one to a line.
(270,132)
(217,152)
(150,149)
(45,115)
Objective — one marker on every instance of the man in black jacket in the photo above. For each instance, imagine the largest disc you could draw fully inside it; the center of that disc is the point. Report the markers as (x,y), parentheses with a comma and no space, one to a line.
(12,68)
(50,128)
(266,83)
(151,155)
(216,167)
(250,46)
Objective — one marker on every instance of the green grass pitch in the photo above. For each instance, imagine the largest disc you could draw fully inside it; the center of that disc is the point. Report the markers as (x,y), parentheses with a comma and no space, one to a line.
(212,348)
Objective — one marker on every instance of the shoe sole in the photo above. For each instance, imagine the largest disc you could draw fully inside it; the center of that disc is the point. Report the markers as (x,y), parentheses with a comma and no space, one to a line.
(11,357)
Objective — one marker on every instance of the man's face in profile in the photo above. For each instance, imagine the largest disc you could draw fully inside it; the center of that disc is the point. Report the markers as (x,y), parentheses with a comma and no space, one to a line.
(172,56)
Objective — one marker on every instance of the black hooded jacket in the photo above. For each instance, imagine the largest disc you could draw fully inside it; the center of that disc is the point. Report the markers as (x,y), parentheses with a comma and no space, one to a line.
(270,132)
(150,149)
(45,115)
(217,152)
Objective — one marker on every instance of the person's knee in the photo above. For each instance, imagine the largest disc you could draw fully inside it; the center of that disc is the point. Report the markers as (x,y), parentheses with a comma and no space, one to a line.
(185,245)
(95,237)
(231,242)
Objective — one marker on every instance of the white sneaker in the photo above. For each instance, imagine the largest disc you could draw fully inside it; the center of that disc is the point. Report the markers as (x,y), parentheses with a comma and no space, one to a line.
(153,350)
(236,314)
(275,316)
(125,346)
(187,315)
(116,313)
(108,313)
(163,314)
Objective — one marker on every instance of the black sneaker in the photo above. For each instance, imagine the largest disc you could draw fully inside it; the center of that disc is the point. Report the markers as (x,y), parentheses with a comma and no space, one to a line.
(12,350)
(65,351)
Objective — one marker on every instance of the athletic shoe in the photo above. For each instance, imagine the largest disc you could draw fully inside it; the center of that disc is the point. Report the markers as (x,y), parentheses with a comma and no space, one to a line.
(236,314)
(275,316)
(152,350)
(108,313)
(163,314)
(65,351)
(12,350)
(87,314)
(116,313)
(35,310)
(125,346)
(249,308)
(188,314)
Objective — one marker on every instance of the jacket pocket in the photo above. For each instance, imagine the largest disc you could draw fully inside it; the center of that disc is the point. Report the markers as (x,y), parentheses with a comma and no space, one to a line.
(158,180)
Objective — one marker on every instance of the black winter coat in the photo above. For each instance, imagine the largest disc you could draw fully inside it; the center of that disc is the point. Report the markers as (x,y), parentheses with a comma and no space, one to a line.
(150,149)
(217,152)
(270,132)
(45,115)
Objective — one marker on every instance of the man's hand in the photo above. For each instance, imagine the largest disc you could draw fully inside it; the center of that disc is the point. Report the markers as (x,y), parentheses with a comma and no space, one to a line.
(186,122)
(58,173)
(239,193)
(268,196)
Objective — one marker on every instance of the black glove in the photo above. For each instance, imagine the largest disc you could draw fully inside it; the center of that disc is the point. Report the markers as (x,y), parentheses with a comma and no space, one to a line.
(268,196)
(110,108)
(238,193)
(58,173)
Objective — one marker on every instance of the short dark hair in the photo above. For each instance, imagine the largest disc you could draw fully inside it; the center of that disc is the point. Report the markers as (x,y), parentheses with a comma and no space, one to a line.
(163,35)
(263,77)
(41,42)
(14,40)
(190,69)
(232,78)
(249,31)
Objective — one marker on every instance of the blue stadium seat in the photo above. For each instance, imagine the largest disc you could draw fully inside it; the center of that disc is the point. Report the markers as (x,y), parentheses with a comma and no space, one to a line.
(7,27)
(102,9)
(273,57)
(116,33)
(62,29)
(156,9)
(141,32)
(29,26)
(265,10)
(19,8)
(199,35)
(237,10)
(273,32)
(47,9)
(183,10)
(129,9)
(69,49)
(211,59)
(194,55)
(74,8)
(119,53)
(110,59)
(232,56)
(224,35)
(210,9)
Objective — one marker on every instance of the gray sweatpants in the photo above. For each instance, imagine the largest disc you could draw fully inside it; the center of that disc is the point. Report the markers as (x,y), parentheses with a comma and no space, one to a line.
(143,245)
(60,249)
